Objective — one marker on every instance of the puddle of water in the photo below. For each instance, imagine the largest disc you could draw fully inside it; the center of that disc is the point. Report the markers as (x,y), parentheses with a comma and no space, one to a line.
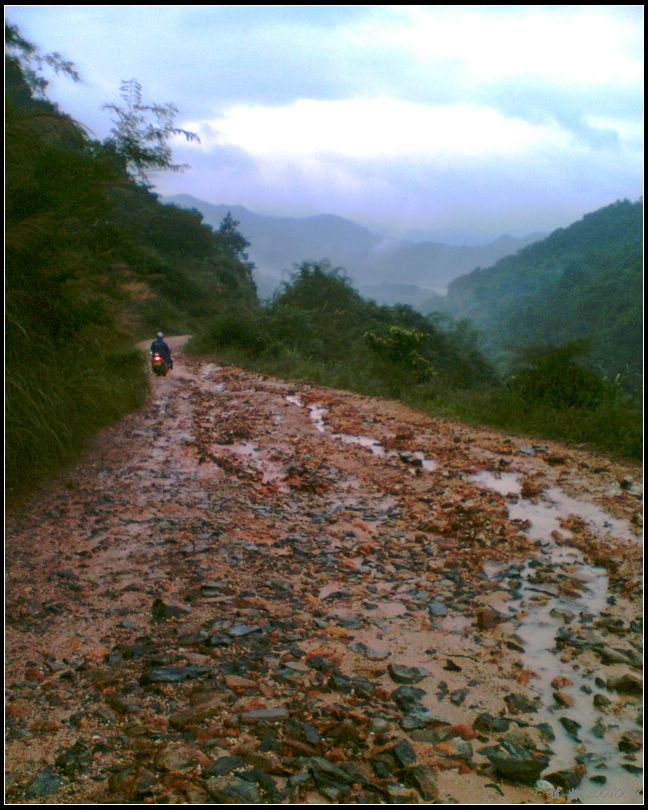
(592,514)
(270,471)
(362,441)
(504,483)
(555,505)
(317,415)
(544,607)
(428,464)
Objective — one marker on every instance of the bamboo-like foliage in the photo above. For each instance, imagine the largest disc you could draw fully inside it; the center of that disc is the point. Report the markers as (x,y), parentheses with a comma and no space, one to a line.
(142,131)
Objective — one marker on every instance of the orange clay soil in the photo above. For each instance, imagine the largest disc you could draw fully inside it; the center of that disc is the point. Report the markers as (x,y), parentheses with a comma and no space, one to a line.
(256,591)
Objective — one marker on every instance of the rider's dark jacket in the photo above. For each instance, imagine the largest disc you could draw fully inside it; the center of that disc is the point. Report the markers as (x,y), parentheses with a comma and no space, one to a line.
(161,347)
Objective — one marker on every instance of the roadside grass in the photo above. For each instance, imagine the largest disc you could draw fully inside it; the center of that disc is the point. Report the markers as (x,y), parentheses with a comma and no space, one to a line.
(53,404)
(614,428)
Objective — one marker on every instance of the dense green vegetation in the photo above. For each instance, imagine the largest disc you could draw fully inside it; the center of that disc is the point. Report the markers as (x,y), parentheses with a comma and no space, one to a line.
(92,261)
(317,327)
(584,281)
(551,393)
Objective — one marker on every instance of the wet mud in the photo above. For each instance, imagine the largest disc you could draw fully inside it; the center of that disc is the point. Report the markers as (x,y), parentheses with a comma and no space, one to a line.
(253,591)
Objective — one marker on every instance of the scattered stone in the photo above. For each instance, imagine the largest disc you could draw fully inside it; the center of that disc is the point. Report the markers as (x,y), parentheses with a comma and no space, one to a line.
(418,717)
(456,747)
(521,704)
(45,783)
(233,790)
(265,715)
(437,610)
(329,775)
(174,674)
(424,778)
(402,674)
(223,765)
(567,780)
(408,698)
(626,684)
(599,729)
(487,618)
(238,630)
(572,727)
(163,610)
(517,763)
(404,754)
(631,741)
(489,724)
(368,652)
(75,760)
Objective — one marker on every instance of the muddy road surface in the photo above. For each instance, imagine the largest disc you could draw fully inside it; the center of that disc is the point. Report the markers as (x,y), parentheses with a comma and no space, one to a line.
(254,591)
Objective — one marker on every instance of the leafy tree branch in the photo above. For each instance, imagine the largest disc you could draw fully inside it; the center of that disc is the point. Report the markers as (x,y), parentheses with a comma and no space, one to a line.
(141,133)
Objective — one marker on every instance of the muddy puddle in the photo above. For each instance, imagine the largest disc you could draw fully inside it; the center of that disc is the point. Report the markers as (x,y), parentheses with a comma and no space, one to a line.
(317,415)
(269,471)
(556,594)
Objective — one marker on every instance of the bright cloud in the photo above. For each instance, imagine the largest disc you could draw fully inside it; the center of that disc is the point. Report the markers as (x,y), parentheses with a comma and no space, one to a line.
(378,129)
(510,117)
(572,45)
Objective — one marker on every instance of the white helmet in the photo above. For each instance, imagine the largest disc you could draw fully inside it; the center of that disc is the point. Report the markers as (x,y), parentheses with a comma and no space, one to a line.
(160,335)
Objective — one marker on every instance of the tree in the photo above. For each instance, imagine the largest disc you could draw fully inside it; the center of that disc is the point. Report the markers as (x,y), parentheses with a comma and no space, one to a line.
(233,241)
(553,376)
(24,57)
(142,132)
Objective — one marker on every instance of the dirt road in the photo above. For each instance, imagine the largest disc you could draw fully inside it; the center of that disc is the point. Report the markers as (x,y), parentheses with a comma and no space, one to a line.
(254,591)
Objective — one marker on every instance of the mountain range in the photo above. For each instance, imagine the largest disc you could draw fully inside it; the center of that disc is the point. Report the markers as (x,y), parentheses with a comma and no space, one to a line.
(387,270)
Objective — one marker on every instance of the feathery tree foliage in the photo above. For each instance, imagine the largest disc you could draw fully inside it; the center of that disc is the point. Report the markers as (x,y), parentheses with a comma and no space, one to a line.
(141,133)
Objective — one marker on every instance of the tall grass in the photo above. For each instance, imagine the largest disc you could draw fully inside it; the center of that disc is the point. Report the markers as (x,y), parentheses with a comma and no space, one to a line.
(56,401)
(614,426)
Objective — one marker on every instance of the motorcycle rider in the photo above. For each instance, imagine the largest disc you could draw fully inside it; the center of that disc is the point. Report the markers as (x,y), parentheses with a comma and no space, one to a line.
(159,345)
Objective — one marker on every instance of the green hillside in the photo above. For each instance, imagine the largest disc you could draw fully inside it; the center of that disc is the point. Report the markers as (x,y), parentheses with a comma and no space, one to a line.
(93,262)
(583,282)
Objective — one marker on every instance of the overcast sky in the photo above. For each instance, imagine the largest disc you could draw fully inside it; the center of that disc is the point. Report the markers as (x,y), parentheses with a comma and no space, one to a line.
(473,119)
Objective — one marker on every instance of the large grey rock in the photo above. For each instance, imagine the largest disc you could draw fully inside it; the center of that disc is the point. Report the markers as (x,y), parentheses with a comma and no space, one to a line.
(233,790)
(174,674)
(402,674)
(517,763)
(45,783)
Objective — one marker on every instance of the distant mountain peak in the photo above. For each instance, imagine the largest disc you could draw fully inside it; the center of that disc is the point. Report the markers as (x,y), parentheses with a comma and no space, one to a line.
(278,243)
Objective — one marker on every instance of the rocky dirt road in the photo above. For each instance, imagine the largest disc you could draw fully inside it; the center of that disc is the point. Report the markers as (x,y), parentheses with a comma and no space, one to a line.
(254,591)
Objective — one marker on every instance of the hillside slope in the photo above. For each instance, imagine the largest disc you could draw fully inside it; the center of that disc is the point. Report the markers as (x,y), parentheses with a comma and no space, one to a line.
(581,282)
(92,260)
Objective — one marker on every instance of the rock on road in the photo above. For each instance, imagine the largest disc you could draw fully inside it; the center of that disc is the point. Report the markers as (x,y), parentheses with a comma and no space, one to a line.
(258,591)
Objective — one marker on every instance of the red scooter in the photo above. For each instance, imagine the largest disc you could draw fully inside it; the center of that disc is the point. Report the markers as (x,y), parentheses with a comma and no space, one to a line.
(158,365)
